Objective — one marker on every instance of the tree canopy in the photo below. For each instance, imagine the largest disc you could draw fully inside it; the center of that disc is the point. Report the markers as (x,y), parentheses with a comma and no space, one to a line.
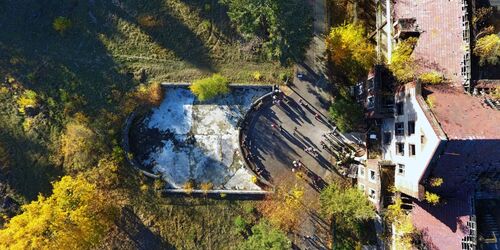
(350,50)
(349,206)
(75,216)
(402,65)
(488,49)
(346,114)
(284,26)
(283,208)
(78,146)
(264,236)
(210,87)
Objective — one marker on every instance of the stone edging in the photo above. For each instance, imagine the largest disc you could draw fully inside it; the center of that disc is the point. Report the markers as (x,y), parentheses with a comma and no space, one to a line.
(242,127)
(126,146)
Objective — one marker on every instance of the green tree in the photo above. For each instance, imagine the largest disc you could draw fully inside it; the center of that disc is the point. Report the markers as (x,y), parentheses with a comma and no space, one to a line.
(264,236)
(210,87)
(284,26)
(75,216)
(350,51)
(346,114)
(402,65)
(346,207)
(61,24)
(488,49)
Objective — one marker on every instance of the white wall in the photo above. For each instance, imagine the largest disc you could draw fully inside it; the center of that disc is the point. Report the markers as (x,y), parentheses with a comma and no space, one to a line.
(414,165)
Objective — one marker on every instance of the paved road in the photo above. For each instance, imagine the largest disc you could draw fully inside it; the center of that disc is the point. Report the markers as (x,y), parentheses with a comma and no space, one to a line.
(303,121)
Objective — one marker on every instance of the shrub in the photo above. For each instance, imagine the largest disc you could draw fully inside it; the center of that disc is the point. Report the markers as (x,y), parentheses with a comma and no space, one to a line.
(402,65)
(150,95)
(188,186)
(432,198)
(431,101)
(61,24)
(206,187)
(241,224)
(283,76)
(436,182)
(257,76)
(210,87)
(28,98)
(432,77)
(488,49)
(254,179)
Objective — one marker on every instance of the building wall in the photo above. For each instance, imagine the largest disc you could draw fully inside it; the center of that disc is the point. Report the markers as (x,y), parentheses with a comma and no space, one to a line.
(368,184)
(414,166)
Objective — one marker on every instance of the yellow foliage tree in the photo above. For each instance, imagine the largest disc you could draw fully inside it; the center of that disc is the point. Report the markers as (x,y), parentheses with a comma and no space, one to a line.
(350,50)
(284,207)
(75,216)
(78,147)
(488,49)
(210,87)
(432,77)
(402,223)
(402,65)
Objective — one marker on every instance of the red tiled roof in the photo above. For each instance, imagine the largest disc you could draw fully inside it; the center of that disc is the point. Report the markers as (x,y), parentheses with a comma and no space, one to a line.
(442,226)
(440,46)
(463,116)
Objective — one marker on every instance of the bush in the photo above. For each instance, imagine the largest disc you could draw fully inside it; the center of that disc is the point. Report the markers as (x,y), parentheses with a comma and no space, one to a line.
(257,76)
(431,101)
(436,182)
(402,65)
(346,114)
(241,224)
(488,49)
(61,24)
(28,98)
(210,87)
(432,77)
(432,198)
(150,95)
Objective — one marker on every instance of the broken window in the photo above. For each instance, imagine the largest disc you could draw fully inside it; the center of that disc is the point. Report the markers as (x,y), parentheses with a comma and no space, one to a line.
(400,148)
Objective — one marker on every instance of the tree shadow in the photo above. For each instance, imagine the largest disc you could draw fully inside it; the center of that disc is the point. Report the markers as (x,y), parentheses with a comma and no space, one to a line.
(166,29)
(141,236)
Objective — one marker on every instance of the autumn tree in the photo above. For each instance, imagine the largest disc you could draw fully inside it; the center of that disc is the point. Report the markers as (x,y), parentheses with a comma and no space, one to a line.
(283,208)
(79,147)
(347,208)
(210,87)
(265,236)
(488,49)
(402,64)
(350,51)
(402,222)
(75,216)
